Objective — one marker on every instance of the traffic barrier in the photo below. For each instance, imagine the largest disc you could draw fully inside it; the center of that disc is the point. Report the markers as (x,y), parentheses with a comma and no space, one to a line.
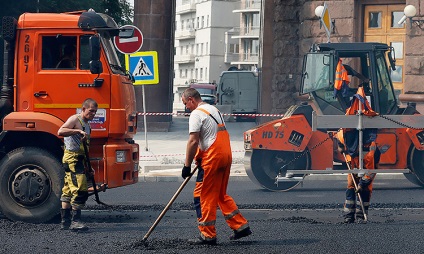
(224,114)
(178,154)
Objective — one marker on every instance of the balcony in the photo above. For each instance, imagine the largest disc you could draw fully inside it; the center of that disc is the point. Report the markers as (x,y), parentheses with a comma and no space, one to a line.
(186,7)
(246,32)
(245,58)
(181,82)
(253,6)
(184,59)
(185,34)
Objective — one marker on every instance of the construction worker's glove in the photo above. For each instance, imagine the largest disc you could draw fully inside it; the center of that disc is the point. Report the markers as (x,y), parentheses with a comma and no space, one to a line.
(359,189)
(186,172)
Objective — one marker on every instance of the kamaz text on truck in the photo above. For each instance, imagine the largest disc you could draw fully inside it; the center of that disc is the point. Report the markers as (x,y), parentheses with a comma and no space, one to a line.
(38,95)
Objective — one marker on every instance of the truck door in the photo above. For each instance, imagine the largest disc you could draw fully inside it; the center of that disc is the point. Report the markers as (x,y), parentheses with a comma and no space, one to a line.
(63,79)
(228,89)
(248,92)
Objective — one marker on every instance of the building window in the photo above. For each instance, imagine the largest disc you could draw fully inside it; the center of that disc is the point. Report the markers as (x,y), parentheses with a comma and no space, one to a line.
(182,24)
(375,20)
(203,21)
(201,73)
(198,22)
(207,21)
(201,49)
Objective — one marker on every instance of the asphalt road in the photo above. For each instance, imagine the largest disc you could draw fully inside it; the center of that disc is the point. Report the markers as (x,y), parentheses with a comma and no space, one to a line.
(304,220)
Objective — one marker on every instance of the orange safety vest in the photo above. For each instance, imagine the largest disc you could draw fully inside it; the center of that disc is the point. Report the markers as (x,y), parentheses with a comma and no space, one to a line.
(341,75)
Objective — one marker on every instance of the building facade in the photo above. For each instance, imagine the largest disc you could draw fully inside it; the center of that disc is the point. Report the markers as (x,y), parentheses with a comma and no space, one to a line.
(200,26)
(290,28)
(242,42)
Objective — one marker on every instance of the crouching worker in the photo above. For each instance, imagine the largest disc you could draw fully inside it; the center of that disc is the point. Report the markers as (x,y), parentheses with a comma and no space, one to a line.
(75,131)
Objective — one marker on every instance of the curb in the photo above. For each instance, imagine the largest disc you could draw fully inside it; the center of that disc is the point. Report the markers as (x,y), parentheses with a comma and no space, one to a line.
(172,173)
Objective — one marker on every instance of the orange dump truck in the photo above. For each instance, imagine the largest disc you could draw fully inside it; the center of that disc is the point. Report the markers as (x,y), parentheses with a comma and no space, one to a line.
(38,95)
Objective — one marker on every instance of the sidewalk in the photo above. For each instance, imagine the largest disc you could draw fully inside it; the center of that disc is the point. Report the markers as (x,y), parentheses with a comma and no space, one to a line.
(162,156)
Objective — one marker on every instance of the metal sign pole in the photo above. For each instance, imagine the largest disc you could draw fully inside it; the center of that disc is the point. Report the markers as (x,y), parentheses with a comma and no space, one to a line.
(144,119)
(360,129)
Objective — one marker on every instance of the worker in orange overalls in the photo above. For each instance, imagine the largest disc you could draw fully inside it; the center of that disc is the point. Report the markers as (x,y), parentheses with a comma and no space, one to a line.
(348,140)
(209,146)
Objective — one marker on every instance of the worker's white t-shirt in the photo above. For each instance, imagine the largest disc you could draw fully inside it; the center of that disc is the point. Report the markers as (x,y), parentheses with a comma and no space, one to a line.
(201,122)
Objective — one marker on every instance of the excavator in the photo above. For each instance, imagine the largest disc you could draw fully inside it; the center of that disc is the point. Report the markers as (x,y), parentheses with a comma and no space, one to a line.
(279,154)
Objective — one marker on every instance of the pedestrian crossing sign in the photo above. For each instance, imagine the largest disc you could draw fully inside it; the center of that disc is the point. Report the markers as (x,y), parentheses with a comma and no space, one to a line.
(143,66)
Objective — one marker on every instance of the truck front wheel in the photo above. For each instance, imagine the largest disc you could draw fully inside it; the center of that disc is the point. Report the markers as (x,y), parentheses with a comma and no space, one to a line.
(30,185)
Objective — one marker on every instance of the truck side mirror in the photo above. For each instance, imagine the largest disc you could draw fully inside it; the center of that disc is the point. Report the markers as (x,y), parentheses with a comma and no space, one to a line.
(95,48)
(96,67)
(126,33)
(95,63)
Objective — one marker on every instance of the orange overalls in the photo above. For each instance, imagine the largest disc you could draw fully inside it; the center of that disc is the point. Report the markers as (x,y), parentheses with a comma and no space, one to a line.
(211,185)
(371,159)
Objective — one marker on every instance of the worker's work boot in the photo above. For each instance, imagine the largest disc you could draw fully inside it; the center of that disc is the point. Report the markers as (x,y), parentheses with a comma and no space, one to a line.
(349,218)
(360,218)
(239,234)
(65,222)
(201,241)
(76,224)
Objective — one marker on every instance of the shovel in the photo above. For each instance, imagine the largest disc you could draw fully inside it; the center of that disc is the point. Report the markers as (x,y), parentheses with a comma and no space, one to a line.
(356,188)
(186,180)
(96,193)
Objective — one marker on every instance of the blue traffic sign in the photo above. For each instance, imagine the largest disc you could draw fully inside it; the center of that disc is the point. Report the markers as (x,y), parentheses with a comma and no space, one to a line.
(143,66)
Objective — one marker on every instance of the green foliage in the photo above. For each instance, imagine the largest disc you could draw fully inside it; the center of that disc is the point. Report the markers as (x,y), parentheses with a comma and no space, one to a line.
(120,10)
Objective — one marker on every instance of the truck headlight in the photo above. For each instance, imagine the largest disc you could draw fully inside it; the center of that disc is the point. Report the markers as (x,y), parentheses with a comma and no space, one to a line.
(121,156)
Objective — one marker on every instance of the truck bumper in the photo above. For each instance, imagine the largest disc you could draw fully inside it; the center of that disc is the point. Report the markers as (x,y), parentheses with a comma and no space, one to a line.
(121,163)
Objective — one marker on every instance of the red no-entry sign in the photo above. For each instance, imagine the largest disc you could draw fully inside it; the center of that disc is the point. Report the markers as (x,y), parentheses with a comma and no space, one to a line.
(129,45)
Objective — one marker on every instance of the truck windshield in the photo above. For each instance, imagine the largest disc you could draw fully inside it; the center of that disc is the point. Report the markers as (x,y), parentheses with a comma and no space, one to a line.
(205,91)
(111,55)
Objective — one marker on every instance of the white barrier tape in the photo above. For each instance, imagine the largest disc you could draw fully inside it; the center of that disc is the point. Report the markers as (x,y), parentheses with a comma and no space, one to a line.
(178,154)
(224,114)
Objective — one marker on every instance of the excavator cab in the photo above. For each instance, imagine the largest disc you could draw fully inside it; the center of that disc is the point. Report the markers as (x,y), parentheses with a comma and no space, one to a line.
(366,66)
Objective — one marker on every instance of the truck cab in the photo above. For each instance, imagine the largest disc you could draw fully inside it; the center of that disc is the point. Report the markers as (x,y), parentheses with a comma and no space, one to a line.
(53,62)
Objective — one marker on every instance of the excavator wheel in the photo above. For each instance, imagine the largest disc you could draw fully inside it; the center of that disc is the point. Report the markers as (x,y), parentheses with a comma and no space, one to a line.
(416,164)
(263,166)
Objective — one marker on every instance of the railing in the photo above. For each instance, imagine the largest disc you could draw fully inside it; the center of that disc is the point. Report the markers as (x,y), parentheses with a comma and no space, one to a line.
(250,31)
(249,5)
(184,58)
(186,7)
(241,58)
(185,34)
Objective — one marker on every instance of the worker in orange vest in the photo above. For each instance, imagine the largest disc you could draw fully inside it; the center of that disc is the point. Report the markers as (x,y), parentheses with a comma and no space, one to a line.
(348,140)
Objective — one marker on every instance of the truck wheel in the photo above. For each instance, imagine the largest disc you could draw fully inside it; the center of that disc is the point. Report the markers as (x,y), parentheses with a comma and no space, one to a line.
(30,185)
(416,165)
(263,166)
